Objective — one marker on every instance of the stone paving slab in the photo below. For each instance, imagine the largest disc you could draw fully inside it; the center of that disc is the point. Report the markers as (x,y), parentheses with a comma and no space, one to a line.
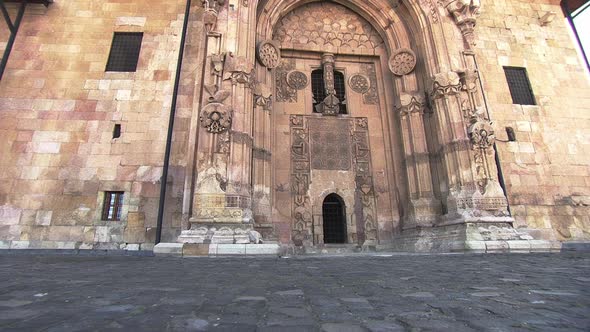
(499,292)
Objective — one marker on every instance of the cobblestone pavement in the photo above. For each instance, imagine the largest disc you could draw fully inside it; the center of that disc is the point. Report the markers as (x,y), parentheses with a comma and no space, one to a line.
(494,292)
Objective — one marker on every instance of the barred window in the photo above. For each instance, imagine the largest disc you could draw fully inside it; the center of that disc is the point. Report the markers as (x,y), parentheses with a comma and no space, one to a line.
(113,205)
(519,85)
(319,92)
(124,51)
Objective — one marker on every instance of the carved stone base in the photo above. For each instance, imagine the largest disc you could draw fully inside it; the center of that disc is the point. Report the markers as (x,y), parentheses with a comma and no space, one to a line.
(218,233)
(474,236)
(423,212)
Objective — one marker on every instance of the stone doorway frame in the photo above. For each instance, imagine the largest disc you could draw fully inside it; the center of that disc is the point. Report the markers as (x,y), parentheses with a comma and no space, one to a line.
(318,219)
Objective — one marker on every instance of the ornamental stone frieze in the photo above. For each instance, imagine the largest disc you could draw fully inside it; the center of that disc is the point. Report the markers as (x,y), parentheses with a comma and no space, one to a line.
(465,13)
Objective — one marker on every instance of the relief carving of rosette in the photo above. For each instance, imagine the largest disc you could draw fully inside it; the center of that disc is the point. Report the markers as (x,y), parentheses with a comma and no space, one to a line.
(269,54)
(402,62)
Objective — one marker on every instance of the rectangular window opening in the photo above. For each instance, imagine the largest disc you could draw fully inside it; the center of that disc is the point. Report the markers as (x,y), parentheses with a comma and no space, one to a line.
(117,131)
(113,205)
(124,51)
(519,85)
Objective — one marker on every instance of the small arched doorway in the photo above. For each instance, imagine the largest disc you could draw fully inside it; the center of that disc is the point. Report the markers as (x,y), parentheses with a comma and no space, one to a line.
(334,219)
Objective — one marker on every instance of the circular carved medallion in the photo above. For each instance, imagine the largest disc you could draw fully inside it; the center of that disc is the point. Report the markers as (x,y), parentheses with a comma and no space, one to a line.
(269,54)
(402,62)
(359,83)
(216,118)
(297,80)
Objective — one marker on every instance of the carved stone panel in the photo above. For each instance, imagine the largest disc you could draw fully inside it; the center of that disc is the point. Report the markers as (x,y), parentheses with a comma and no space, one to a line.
(359,83)
(216,118)
(370,97)
(402,61)
(284,92)
(269,54)
(326,26)
(330,143)
(297,80)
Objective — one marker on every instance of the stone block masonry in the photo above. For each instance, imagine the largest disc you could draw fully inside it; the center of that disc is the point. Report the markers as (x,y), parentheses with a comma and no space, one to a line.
(547,169)
(58,107)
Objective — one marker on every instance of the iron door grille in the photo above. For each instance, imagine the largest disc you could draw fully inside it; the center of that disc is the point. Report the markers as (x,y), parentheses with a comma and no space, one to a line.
(519,85)
(125,51)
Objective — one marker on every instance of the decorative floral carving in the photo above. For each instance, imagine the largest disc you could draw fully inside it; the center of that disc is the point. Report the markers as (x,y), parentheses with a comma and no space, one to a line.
(359,83)
(445,84)
(284,92)
(370,97)
(269,54)
(402,61)
(481,133)
(297,80)
(216,118)
(411,104)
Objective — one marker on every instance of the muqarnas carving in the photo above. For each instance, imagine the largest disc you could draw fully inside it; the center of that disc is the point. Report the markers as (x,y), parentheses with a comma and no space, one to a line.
(326,27)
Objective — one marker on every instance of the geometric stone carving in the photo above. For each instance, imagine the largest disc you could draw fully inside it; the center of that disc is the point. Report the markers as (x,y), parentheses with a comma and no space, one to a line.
(269,54)
(326,26)
(402,61)
(284,92)
(359,83)
(297,80)
(330,143)
(370,97)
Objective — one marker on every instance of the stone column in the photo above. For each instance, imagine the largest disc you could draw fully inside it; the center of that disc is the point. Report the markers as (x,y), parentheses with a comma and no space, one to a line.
(222,192)
(423,208)
(457,181)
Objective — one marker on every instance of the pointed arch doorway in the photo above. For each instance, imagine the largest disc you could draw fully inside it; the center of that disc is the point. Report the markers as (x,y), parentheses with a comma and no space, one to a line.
(334,219)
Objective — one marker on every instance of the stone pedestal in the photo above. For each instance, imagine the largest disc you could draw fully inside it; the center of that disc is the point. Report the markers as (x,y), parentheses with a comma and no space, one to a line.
(488,234)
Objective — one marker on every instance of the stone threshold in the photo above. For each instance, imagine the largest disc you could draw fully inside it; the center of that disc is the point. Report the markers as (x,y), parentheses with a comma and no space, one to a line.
(216,249)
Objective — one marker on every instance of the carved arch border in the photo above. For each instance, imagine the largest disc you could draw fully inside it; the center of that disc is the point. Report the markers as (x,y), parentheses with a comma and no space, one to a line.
(413,24)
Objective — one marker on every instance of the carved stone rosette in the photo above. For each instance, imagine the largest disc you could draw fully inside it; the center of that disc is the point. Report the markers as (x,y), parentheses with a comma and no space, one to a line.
(465,13)
(269,54)
(297,80)
(359,83)
(402,61)
(300,177)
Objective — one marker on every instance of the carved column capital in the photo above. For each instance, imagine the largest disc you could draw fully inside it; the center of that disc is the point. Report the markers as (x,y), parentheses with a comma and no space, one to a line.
(445,84)
(411,103)
(465,13)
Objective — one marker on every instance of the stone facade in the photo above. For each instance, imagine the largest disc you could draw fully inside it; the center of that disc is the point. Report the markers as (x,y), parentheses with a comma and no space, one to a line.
(399,108)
